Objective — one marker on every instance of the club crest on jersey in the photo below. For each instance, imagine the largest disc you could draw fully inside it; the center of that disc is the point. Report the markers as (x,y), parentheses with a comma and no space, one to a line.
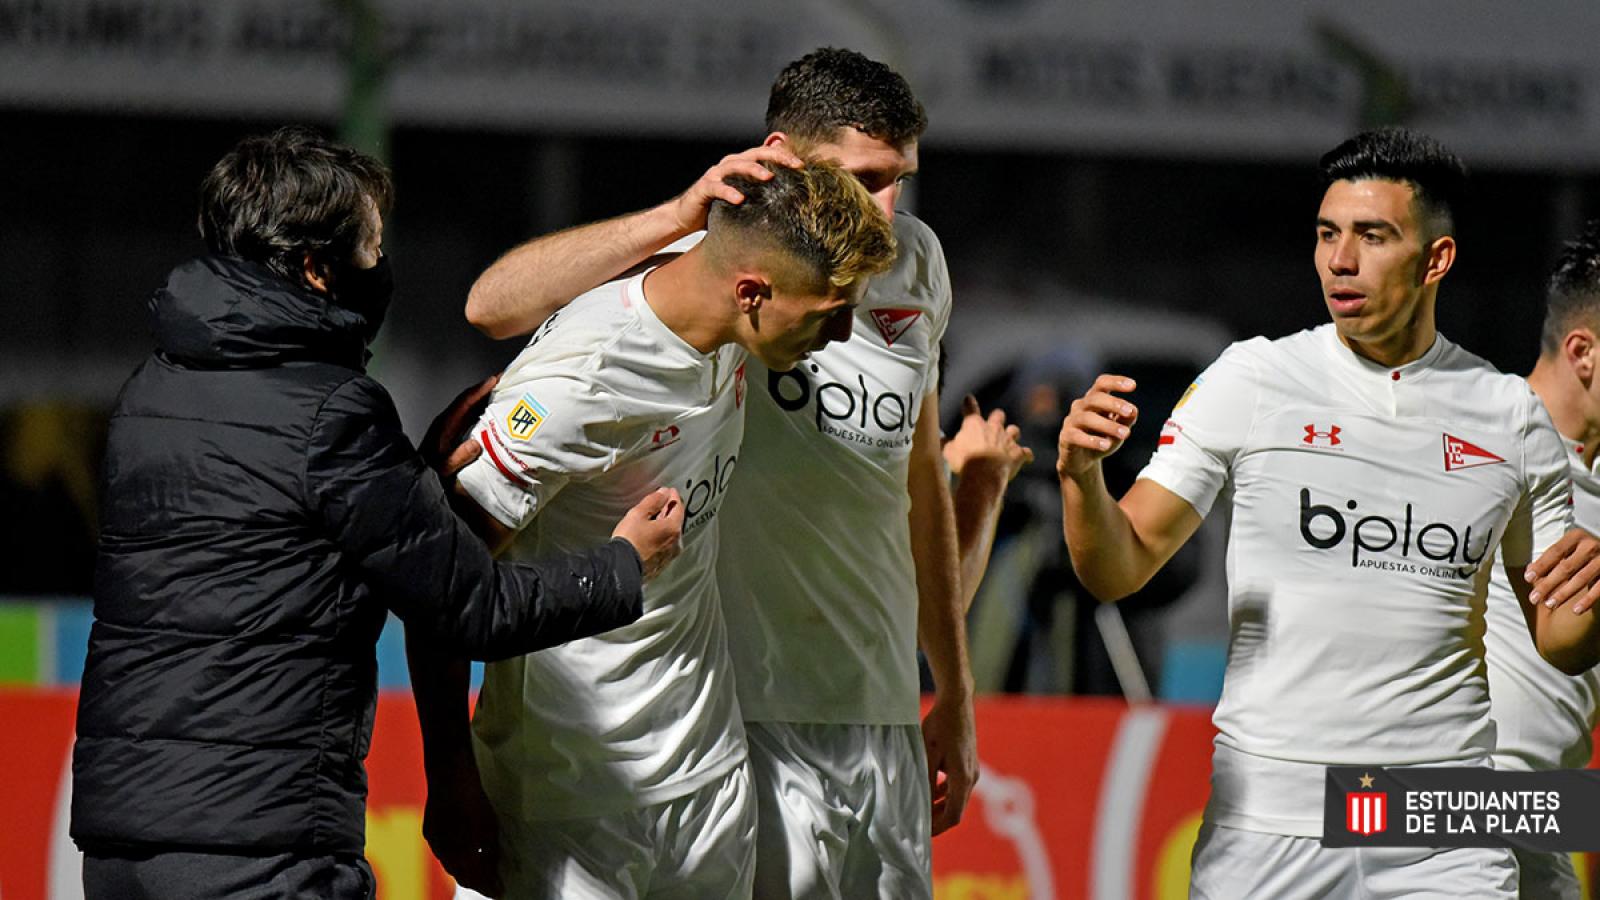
(738,387)
(894,323)
(525,418)
(1460,454)
(664,437)
(1315,437)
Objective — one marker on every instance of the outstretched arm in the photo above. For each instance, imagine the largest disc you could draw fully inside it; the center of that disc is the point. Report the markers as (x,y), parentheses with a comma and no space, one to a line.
(1115,546)
(534,280)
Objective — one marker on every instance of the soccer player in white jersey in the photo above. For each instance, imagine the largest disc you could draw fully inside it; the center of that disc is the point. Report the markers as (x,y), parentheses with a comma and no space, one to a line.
(616,765)
(1371,467)
(1543,718)
(841,550)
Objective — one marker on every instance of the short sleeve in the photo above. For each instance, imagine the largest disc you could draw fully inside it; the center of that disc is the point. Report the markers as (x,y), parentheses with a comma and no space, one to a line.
(1207,429)
(935,273)
(537,436)
(1544,511)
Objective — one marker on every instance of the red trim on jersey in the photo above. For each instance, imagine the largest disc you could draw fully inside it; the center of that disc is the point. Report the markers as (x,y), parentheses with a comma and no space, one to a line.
(488,447)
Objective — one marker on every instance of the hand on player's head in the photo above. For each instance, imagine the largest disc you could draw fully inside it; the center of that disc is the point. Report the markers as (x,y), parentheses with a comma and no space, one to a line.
(655,528)
(690,207)
(1096,426)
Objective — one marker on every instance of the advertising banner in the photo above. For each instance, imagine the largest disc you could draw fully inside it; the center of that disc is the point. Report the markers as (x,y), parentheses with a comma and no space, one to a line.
(1077,799)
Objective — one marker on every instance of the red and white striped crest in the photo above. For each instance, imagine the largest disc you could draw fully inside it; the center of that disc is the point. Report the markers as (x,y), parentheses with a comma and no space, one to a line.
(1366,812)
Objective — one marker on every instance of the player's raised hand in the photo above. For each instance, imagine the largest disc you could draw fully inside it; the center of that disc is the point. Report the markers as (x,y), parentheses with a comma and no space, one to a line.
(1568,571)
(987,442)
(444,448)
(655,528)
(690,207)
(1096,426)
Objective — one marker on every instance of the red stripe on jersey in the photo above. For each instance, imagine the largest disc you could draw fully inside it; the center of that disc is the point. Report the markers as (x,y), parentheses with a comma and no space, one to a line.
(488,447)
(1166,439)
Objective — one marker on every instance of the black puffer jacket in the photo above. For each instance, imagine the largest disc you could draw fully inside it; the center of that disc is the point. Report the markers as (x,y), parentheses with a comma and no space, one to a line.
(262,508)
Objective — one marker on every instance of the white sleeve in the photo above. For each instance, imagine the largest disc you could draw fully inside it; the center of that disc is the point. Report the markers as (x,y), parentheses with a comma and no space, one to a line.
(1544,512)
(537,436)
(938,277)
(1206,430)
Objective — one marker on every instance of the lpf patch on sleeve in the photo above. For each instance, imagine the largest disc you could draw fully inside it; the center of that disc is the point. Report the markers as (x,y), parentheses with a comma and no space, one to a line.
(1186,395)
(525,418)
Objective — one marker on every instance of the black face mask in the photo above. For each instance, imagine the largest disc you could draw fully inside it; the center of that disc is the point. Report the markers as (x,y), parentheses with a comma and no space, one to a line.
(366,292)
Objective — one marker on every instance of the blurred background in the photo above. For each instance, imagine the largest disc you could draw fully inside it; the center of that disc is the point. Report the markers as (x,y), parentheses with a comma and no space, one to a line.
(1125,184)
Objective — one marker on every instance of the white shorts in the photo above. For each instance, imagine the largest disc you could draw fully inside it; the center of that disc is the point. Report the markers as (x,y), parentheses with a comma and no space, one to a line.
(1548,875)
(1230,863)
(700,846)
(844,811)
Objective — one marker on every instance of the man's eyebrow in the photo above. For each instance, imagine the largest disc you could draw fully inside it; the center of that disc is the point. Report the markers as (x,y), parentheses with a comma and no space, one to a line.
(1376,225)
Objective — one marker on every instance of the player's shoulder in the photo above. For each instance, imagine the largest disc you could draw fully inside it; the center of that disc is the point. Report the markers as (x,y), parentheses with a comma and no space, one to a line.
(1457,361)
(913,236)
(1479,384)
(918,279)
(1290,356)
(565,355)
(1250,355)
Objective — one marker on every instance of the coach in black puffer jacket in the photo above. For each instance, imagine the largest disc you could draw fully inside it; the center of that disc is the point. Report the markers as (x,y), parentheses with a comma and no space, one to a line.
(262,510)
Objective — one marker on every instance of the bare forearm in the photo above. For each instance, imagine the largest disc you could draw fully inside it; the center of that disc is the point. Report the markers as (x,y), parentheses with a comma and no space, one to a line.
(1567,640)
(534,280)
(941,612)
(977,499)
(1107,553)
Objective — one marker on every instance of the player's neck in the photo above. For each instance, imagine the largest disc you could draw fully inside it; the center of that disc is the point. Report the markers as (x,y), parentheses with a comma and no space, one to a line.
(1567,401)
(1406,345)
(1395,350)
(677,294)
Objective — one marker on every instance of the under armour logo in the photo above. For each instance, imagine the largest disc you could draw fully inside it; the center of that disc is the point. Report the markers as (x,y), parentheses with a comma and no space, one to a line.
(1331,436)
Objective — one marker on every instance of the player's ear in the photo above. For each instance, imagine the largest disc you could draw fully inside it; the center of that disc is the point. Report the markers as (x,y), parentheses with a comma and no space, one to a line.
(751,291)
(1440,257)
(1580,348)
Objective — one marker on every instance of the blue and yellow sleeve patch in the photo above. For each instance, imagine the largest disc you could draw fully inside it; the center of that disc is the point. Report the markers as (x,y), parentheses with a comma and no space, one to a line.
(525,418)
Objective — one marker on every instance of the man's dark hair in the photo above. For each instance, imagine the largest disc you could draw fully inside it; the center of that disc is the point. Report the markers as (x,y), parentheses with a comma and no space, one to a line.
(1572,298)
(1436,176)
(829,89)
(276,197)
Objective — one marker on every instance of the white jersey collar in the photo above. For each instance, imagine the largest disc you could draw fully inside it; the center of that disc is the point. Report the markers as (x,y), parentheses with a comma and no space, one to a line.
(1360,366)
(1575,456)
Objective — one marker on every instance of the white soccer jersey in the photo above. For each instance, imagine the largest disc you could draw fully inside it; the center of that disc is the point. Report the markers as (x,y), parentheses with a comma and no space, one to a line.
(1543,718)
(605,405)
(1367,502)
(817,579)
